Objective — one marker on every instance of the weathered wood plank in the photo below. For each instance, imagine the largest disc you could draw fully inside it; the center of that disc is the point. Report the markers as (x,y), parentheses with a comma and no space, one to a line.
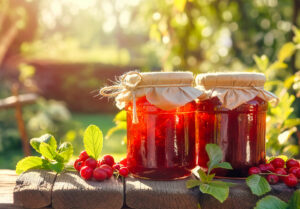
(240,196)
(13,100)
(33,189)
(146,194)
(71,191)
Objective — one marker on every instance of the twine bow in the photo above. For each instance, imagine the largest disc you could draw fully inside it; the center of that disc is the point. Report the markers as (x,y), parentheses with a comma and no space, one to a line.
(124,85)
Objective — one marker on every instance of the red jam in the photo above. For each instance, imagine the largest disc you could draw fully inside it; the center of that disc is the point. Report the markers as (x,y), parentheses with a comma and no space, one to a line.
(239,132)
(162,144)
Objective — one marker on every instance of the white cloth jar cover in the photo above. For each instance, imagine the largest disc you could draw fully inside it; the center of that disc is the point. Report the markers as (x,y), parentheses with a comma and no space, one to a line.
(166,90)
(233,89)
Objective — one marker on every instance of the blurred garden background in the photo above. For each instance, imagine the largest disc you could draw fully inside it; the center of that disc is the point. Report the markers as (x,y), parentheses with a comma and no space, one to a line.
(55,55)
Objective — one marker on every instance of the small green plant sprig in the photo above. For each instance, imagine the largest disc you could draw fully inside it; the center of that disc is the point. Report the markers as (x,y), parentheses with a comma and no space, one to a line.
(206,184)
(52,157)
(260,186)
(56,159)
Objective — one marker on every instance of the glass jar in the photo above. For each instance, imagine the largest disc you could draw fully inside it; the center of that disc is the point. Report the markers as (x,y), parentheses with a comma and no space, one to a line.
(239,132)
(162,144)
(232,114)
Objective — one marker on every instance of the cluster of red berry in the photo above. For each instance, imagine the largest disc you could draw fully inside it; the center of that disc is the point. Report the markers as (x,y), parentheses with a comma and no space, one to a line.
(99,170)
(277,169)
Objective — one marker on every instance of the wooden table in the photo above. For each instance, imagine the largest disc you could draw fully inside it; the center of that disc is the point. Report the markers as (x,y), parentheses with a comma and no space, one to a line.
(43,189)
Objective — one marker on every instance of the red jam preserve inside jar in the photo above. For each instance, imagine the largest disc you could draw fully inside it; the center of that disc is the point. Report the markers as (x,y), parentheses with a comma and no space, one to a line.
(239,132)
(162,144)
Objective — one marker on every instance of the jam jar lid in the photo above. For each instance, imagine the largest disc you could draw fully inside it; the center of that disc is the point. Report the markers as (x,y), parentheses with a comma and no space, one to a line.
(238,79)
(166,90)
(233,89)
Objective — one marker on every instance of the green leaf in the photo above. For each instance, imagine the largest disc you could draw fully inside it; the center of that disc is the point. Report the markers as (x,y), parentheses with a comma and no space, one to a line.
(289,123)
(271,202)
(202,175)
(294,202)
(258,185)
(215,155)
(180,4)
(224,165)
(65,151)
(217,189)
(28,163)
(193,183)
(46,138)
(286,51)
(56,166)
(47,151)
(277,66)
(121,116)
(261,62)
(93,141)
(210,177)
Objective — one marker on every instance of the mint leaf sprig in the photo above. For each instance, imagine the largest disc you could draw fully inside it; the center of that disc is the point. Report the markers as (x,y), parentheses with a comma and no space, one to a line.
(206,184)
(52,158)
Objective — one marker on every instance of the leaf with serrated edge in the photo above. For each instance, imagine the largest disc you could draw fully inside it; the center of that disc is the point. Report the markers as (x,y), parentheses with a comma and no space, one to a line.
(271,202)
(65,151)
(217,190)
(47,151)
(215,155)
(28,163)
(258,185)
(294,202)
(93,141)
(46,138)
(192,183)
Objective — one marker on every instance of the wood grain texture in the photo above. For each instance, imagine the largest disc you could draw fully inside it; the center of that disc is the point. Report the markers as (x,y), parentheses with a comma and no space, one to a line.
(33,189)
(7,183)
(146,194)
(70,191)
(240,196)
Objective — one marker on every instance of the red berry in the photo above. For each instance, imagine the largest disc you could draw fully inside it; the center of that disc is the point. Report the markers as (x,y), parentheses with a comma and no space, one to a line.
(298,174)
(292,163)
(116,166)
(108,160)
(272,179)
(291,180)
(123,162)
(254,170)
(83,155)
(100,174)
(124,171)
(78,164)
(270,167)
(278,163)
(91,162)
(266,167)
(109,170)
(281,171)
(86,172)
(294,170)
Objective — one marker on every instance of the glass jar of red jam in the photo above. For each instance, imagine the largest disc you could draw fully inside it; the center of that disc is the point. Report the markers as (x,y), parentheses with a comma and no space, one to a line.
(162,144)
(161,126)
(233,116)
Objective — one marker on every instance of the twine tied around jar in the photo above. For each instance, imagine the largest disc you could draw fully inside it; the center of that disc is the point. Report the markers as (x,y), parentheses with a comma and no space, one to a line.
(165,90)
(115,90)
